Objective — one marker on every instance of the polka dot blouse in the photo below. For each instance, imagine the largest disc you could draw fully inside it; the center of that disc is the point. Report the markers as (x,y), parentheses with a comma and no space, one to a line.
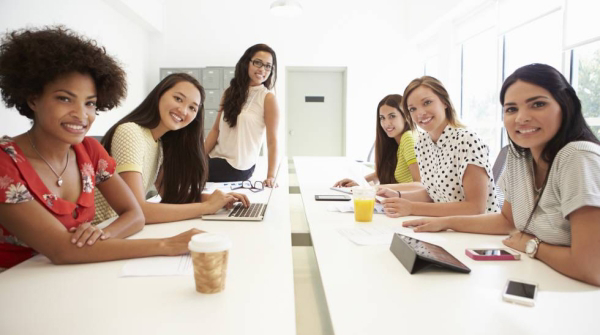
(442,165)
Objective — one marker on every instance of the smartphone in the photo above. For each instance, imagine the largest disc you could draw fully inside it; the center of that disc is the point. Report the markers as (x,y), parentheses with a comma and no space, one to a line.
(520,292)
(332,197)
(493,254)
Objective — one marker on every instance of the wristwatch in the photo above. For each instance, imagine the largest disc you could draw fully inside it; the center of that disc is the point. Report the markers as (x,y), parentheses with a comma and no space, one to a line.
(532,246)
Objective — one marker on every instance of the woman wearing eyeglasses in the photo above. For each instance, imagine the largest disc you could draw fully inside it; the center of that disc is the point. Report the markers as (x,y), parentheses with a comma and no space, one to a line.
(248,108)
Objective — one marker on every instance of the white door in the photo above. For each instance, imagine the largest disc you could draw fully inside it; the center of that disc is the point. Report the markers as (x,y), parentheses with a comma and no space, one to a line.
(315,120)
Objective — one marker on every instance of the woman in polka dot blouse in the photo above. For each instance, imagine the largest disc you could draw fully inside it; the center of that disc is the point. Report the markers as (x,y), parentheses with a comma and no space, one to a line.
(551,180)
(456,175)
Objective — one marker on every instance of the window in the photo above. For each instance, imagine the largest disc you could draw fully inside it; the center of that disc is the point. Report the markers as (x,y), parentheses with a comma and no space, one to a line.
(480,106)
(432,67)
(586,82)
(539,41)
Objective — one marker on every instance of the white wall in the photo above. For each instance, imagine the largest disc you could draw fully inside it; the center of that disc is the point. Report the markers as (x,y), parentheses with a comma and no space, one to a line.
(123,39)
(367,37)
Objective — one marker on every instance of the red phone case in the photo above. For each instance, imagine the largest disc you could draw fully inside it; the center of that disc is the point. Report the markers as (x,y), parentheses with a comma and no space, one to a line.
(490,258)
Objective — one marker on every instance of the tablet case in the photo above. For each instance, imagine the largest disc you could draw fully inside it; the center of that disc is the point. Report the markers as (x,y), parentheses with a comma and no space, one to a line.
(415,254)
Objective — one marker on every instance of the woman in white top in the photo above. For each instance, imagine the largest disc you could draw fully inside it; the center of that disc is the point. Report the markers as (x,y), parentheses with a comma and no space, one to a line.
(456,175)
(551,181)
(248,108)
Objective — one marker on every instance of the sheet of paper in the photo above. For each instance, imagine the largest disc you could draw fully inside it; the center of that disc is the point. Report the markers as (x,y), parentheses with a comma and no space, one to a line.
(369,234)
(348,207)
(158,266)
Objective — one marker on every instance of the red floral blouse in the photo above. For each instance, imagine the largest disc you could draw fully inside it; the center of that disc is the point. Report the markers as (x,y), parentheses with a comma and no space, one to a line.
(20,183)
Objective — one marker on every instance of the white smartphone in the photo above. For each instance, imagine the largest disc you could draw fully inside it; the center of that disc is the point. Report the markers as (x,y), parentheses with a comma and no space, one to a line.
(520,292)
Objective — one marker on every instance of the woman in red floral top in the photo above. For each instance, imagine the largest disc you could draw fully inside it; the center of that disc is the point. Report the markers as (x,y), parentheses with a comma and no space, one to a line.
(48,175)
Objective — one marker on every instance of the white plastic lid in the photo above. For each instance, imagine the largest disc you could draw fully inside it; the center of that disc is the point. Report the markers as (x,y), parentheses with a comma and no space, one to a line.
(209,242)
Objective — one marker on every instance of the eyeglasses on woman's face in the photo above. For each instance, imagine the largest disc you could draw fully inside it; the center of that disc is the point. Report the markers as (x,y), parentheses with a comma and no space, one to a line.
(258,63)
(257,186)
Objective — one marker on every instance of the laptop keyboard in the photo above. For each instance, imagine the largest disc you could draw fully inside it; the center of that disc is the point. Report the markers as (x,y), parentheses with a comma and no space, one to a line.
(254,210)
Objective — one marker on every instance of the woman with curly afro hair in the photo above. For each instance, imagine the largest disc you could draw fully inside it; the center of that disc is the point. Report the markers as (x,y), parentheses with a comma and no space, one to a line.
(60,81)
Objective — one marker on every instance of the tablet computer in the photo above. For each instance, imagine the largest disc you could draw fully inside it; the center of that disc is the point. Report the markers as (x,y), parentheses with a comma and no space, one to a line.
(415,254)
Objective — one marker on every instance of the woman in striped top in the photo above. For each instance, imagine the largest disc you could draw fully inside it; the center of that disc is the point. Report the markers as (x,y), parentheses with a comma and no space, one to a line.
(395,160)
(551,180)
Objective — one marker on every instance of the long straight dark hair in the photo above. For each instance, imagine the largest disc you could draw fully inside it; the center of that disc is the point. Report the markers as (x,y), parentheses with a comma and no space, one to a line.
(185,167)
(236,94)
(573,126)
(386,148)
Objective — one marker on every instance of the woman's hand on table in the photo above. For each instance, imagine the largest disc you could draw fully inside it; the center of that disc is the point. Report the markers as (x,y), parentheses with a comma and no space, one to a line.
(270,182)
(345,183)
(387,193)
(178,244)
(87,234)
(396,207)
(517,240)
(428,224)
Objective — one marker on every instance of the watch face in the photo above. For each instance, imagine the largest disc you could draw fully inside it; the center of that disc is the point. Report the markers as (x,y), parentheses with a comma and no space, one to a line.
(530,247)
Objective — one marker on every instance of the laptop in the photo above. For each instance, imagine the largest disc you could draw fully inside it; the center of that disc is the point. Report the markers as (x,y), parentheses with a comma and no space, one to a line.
(254,212)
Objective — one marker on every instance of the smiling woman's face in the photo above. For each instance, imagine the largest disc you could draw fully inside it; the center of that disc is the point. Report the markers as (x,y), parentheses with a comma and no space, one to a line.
(427,111)
(66,108)
(391,121)
(532,117)
(179,105)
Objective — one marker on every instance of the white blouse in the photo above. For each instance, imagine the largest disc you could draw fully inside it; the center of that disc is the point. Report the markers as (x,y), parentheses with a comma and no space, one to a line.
(442,165)
(240,145)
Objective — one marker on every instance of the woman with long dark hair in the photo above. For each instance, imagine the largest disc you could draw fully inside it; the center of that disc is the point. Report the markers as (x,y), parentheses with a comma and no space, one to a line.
(395,160)
(160,144)
(49,174)
(456,175)
(551,180)
(248,108)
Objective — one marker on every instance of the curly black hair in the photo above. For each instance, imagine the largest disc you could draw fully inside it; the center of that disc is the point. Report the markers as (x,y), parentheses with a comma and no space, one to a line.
(32,58)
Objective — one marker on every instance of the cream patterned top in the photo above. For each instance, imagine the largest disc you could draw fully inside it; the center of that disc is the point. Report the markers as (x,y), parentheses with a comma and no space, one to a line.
(134,149)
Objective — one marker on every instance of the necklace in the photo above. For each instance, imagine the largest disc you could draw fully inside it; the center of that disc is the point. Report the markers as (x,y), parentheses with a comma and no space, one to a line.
(59,181)
(535,188)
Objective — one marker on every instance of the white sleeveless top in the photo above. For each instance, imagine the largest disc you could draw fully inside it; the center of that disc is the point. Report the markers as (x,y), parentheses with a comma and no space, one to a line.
(240,145)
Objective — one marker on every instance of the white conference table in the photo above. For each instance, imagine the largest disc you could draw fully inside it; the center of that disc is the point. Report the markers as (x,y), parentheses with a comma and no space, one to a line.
(368,291)
(37,297)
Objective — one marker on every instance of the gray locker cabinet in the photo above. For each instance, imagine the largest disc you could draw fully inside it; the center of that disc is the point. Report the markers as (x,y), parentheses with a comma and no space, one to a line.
(210,116)
(211,78)
(213,98)
(228,74)
(165,72)
(191,71)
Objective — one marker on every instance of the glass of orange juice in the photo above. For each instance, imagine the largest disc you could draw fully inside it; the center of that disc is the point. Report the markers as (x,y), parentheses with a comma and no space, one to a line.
(364,203)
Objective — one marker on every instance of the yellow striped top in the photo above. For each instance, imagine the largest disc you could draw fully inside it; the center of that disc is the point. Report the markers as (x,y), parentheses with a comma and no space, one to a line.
(406,156)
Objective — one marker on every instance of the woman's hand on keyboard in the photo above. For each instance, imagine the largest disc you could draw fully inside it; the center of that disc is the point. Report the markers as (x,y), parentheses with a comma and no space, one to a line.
(240,198)
(218,200)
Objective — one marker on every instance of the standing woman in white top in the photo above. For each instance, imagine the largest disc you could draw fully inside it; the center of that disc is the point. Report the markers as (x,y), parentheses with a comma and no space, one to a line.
(551,180)
(456,175)
(248,108)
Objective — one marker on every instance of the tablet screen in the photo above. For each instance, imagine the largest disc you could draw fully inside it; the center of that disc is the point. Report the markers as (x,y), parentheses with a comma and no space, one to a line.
(432,252)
